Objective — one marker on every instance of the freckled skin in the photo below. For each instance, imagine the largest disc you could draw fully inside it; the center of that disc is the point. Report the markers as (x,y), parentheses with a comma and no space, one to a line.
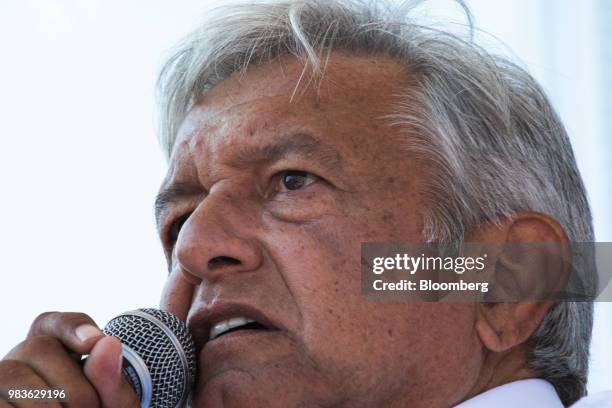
(299,252)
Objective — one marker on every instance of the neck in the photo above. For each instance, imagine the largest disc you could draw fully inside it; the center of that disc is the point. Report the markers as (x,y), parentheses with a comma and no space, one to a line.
(501,368)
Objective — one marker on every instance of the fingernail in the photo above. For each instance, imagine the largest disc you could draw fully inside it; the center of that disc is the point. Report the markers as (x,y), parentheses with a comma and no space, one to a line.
(87,331)
(120,363)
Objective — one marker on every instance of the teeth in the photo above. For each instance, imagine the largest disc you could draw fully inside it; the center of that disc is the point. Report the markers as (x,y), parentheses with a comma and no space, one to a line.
(221,327)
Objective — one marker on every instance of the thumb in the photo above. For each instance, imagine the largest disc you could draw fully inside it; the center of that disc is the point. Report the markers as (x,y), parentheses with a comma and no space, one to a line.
(103,369)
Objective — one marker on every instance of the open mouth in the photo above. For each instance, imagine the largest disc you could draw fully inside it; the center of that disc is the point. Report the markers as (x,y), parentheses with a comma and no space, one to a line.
(234,324)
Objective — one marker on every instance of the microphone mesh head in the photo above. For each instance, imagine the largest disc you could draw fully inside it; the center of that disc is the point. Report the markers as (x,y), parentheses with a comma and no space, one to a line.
(172,375)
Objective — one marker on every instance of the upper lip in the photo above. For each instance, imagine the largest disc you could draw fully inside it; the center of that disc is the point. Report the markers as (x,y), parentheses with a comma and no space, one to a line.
(203,319)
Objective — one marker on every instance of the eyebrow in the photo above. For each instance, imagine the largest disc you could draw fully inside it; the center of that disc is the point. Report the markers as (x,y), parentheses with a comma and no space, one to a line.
(300,143)
(170,195)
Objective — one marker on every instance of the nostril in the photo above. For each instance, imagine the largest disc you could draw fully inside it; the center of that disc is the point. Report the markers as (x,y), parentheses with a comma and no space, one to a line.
(220,261)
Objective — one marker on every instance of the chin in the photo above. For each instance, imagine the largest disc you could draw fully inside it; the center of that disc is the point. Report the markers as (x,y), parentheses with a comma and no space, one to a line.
(235,388)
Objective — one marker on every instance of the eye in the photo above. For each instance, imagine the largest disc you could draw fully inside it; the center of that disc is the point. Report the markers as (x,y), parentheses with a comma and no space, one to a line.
(296,179)
(175,228)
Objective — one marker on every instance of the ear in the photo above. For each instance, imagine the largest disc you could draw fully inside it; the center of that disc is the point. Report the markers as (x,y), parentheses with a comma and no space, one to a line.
(529,265)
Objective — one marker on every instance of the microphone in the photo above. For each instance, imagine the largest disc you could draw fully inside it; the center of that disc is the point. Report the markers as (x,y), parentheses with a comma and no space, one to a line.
(158,356)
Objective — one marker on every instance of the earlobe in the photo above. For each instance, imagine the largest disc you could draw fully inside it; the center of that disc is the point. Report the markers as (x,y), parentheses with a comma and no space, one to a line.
(487,332)
(498,327)
(501,326)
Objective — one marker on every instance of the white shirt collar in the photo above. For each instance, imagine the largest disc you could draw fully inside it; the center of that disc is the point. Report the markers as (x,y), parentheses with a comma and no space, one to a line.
(532,393)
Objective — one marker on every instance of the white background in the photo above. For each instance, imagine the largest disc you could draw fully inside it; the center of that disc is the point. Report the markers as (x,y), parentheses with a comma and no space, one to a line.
(80,165)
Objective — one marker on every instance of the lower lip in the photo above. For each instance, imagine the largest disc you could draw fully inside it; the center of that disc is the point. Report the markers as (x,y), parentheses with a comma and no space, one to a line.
(239,333)
(238,339)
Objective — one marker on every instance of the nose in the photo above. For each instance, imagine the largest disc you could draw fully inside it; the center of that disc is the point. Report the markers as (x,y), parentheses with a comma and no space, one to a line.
(215,240)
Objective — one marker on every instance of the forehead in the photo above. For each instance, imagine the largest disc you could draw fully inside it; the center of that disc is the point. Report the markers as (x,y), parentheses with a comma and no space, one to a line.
(345,106)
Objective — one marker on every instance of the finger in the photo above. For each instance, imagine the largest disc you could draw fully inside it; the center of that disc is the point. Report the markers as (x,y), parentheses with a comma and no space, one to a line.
(50,359)
(103,369)
(17,375)
(77,331)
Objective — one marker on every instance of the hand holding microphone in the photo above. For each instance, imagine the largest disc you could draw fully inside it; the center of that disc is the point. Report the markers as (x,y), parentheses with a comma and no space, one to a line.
(156,362)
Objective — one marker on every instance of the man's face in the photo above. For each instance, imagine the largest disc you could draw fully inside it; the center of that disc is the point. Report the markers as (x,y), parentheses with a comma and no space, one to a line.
(282,185)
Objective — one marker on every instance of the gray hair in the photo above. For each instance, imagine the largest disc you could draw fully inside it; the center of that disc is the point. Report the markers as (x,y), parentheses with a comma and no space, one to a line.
(484,121)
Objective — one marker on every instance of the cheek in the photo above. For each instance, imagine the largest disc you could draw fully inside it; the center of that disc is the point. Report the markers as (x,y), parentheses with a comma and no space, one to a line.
(346,334)
(177,295)
(322,268)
